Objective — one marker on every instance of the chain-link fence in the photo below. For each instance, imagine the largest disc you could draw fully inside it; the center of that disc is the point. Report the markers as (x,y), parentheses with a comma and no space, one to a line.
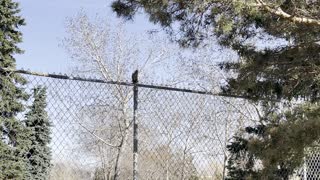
(181,134)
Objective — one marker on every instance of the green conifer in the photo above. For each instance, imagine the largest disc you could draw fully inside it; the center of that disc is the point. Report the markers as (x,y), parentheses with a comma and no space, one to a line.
(14,141)
(38,124)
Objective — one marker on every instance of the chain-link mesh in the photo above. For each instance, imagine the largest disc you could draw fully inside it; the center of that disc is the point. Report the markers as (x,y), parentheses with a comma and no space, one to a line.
(311,165)
(91,128)
(182,135)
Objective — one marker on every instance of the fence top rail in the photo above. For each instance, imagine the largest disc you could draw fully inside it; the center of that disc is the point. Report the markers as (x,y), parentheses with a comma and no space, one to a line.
(124,83)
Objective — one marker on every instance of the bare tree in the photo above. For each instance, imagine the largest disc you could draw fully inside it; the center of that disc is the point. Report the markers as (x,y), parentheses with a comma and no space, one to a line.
(202,71)
(107,52)
(187,132)
(67,170)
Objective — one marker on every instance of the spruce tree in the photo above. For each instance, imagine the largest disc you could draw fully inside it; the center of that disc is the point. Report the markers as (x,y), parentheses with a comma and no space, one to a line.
(14,142)
(38,124)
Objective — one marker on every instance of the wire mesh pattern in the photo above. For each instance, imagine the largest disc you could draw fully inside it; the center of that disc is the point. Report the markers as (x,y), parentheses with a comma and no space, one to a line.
(311,165)
(184,135)
(90,121)
(181,135)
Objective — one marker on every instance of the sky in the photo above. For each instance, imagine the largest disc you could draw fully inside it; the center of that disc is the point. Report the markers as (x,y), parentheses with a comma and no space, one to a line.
(45,30)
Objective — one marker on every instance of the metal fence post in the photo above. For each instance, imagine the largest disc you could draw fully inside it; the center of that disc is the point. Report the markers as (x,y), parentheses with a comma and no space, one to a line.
(135,125)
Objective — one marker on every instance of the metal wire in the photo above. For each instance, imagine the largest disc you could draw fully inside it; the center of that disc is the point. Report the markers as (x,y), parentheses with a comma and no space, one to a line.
(182,133)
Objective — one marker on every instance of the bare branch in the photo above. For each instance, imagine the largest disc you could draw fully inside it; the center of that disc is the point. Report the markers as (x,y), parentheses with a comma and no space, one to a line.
(96,136)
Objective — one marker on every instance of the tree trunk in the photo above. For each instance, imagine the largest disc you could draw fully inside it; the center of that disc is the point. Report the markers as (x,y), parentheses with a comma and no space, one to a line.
(119,155)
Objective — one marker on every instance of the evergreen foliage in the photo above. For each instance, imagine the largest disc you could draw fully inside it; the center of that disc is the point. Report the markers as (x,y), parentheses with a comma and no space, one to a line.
(228,20)
(287,71)
(281,71)
(14,141)
(37,122)
(279,145)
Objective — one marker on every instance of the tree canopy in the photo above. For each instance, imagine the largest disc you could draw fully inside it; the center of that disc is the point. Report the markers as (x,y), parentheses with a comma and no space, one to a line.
(37,122)
(274,71)
(278,43)
(14,142)
(229,19)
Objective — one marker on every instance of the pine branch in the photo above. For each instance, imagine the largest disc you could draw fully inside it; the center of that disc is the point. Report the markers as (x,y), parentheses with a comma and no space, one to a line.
(279,12)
